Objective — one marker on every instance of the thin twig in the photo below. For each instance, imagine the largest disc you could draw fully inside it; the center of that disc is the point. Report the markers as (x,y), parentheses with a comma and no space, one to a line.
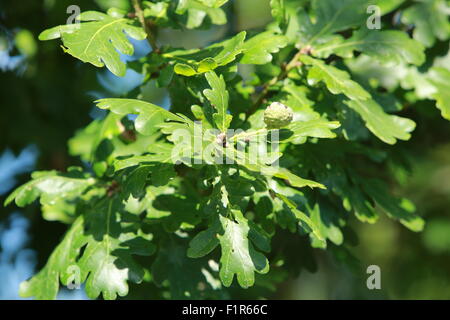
(140,15)
(285,69)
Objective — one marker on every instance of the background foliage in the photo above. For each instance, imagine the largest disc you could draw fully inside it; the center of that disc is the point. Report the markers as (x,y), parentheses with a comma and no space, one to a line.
(377,159)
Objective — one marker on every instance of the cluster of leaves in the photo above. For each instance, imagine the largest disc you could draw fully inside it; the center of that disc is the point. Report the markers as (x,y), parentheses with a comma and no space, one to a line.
(199,225)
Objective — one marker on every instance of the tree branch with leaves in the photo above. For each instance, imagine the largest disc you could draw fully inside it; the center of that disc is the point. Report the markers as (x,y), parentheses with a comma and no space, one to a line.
(152,210)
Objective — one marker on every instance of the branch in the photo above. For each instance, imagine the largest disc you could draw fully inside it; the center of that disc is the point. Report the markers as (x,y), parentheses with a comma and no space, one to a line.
(140,15)
(285,69)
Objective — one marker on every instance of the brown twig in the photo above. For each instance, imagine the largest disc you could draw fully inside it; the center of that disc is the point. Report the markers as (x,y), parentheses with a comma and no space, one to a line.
(285,69)
(140,15)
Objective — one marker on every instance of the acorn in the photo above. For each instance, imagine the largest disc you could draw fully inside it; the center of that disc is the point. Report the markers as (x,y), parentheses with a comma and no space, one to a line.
(277,115)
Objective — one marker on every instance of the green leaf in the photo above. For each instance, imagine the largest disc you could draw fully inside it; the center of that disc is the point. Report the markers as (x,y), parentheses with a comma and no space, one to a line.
(96,40)
(353,197)
(430,18)
(163,155)
(56,32)
(238,255)
(185,276)
(149,115)
(192,62)
(184,70)
(257,164)
(107,264)
(158,11)
(301,217)
(386,127)
(295,180)
(326,222)
(387,6)
(205,241)
(51,185)
(60,266)
(97,142)
(162,174)
(218,97)
(258,49)
(82,143)
(236,236)
(386,46)
(238,185)
(206,65)
(135,181)
(333,16)
(299,102)
(337,81)
(197,10)
(61,210)
(163,205)
(319,128)
(400,209)
(213,3)
(440,78)
(278,11)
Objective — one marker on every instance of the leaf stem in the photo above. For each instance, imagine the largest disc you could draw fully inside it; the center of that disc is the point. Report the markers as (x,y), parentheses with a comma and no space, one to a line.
(140,15)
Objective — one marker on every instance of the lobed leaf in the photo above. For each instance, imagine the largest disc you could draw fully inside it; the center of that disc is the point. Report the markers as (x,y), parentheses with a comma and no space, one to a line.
(149,115)
(238,254)
(49,186)
(98,39)
(386,46)
(59,267)
(197,10)
(430,18)
(387,127)
(259,49)
(337,81)
(440,79)
(193,62)
(332,16)
(218,97)
(107,264)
